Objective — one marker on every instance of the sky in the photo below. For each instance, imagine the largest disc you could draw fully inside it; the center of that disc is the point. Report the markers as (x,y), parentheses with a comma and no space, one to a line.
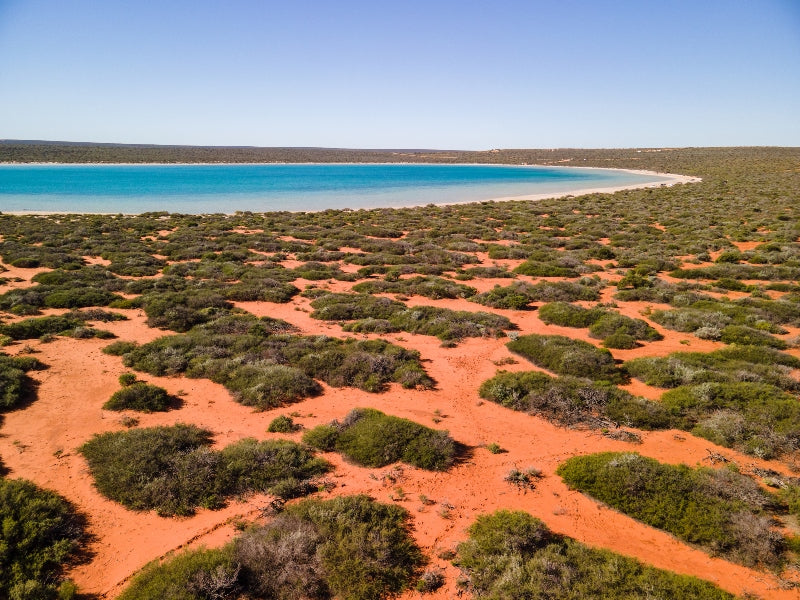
(414,74)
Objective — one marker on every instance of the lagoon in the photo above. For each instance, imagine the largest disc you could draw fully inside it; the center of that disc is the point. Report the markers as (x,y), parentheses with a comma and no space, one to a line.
(228,188)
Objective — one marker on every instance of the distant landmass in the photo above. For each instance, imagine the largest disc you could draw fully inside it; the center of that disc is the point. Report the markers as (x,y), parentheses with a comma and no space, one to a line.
(90,152)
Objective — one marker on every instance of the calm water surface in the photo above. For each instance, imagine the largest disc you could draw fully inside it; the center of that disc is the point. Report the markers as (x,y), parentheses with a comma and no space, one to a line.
(275,187)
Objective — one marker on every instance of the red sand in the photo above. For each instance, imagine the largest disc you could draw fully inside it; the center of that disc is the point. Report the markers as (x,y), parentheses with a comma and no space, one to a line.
(40,443)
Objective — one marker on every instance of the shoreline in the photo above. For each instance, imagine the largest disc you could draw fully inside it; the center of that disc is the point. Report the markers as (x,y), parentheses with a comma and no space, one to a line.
(666,180)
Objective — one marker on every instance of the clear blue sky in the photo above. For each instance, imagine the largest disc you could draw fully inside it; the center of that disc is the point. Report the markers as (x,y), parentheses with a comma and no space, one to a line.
(411,74)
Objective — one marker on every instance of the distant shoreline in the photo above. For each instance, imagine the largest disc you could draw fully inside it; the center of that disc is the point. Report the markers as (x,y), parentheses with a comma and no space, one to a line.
(666,180)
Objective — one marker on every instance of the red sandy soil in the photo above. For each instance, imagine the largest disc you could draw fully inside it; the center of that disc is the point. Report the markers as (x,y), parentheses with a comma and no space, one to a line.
(39,442)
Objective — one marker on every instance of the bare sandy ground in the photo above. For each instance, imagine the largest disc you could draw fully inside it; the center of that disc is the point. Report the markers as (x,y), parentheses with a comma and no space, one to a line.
(39,442)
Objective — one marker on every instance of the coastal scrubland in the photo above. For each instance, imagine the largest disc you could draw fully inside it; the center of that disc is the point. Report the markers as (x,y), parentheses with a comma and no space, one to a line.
(592,396)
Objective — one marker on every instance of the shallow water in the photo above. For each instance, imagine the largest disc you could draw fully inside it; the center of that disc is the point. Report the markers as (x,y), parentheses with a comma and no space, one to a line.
(281,187)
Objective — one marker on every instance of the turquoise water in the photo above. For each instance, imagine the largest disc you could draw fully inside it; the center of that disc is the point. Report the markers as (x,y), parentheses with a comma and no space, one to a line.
(274,187)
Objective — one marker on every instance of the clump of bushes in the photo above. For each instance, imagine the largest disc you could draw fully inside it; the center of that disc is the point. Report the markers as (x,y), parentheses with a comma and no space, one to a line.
(719,510)
(371,438)
(349,547)
(571,401)
(265,366)
(727,365)
(567,356)
(430,287)
(172,469)
(42,534)
(371,313)
(87,286)
(616,330)
(520,294)
(141,396)
(510,554)
(755,418)
(748,336)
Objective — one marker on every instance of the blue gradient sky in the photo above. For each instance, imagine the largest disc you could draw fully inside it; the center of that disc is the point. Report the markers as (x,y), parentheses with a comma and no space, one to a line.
(411,74)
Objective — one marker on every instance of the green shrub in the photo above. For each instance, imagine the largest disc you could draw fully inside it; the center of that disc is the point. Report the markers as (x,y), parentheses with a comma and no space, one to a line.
(140,396)
(283,424)
(621,341)
(747,336)
(15,385)
(119,348)
(430,287)
(367,550)
(322,437)
(381,314)
(269,386)
(733,364)
(569,401)
(263,365)
(569,315)
(172,470)
(280,467)
(611,324)
(602,324)
(191,575)
(514,555)
(755,418)
(127,379)
(42,534)
(719,510)
(31,329)
(567,356)
(371,438)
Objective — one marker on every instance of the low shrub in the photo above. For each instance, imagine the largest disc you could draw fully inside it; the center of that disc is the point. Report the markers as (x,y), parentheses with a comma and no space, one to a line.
(367,550)
(31,329)
(283,424)
(191,575)
(15,385)
(747,336)
(264,366)
(510,554)
(42,535)
(120,348)
(429,287)
(755,418)
(265,386)
(349,547)
(567,356)
(727,365)
(172,470)
(140,396)
(376,313)
(719,510)
(371,438)
(520,294)
(569,401)
(603,324)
